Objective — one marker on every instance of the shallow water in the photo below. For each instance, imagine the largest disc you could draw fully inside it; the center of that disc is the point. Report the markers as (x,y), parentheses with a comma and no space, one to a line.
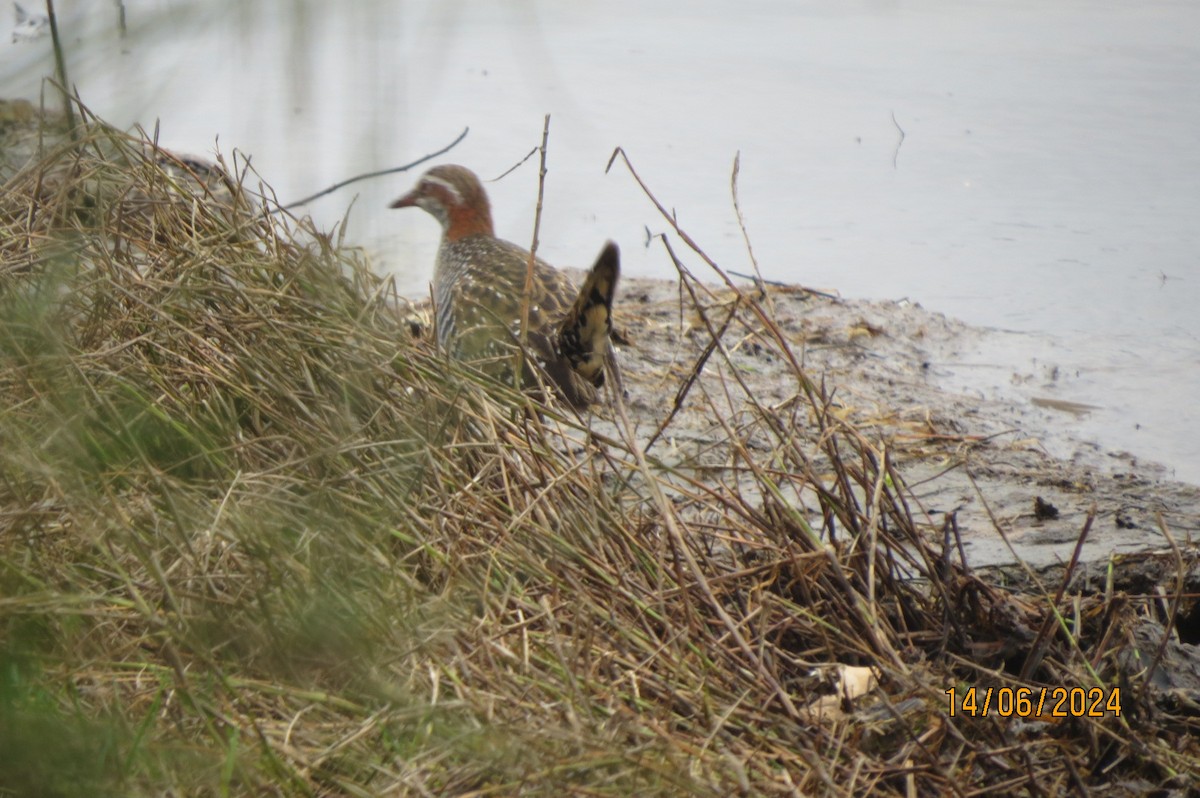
(1047,184)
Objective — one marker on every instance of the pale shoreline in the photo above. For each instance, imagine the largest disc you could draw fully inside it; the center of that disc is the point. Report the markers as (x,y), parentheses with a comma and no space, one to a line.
(876,358)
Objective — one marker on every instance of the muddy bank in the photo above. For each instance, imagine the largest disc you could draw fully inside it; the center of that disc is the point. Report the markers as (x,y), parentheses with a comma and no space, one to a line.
(982,460)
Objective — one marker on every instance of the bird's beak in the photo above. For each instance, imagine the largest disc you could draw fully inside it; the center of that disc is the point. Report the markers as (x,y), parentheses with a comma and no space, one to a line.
(409,200)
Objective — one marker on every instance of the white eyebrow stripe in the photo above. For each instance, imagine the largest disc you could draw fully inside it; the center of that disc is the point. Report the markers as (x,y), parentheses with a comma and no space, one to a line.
(446,184)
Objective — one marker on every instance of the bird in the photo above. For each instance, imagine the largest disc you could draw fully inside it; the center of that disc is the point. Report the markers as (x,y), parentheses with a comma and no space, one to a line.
(479,287)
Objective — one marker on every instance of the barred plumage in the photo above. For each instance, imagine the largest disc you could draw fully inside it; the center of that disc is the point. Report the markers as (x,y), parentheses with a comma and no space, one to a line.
(479,281)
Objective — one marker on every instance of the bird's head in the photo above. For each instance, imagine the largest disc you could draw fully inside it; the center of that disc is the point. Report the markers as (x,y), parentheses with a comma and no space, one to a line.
(454,196)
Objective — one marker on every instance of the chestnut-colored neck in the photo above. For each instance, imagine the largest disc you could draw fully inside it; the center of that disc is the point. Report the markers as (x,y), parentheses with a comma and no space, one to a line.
(469,219)
(468,211)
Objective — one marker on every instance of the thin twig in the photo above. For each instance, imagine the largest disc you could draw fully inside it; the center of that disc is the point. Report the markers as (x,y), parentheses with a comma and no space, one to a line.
(767,320)
(515,166)
(896,153)
(1173,610)
(1038,649)
(693,375)
(780,284)
(60,64)
(527,291)
(737,210)
(380,173)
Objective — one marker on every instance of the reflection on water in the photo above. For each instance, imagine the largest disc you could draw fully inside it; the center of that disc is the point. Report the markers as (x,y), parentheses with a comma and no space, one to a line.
(1047,182)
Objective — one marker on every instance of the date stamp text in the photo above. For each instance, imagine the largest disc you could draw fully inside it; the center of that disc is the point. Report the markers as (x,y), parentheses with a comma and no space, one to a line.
(1035,702)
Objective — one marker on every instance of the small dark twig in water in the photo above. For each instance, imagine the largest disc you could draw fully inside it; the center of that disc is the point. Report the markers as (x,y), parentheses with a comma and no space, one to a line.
(896,154)
(380,173)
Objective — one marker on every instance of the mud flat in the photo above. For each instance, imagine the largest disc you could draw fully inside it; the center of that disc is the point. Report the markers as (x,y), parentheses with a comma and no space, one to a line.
(984,461)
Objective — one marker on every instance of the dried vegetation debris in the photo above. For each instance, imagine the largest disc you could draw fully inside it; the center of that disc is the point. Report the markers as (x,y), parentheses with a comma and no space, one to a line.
(255,537)
(978,458)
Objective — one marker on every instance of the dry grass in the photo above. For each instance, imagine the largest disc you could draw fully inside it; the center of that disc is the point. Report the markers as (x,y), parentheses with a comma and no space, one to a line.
(255,539)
